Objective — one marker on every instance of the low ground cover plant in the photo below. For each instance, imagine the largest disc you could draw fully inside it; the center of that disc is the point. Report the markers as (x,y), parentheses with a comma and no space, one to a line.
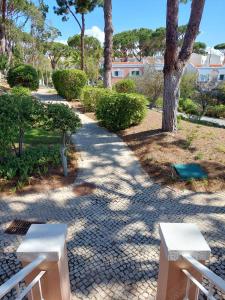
(23,75)
(69,83)
(33,161)
(118,111)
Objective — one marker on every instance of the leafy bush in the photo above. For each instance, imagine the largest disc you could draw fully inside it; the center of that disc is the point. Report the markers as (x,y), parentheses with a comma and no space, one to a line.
(17,114)
(217,111)
(20,91)
(69,83)
(33,161)
(125,86)
(159,102)
(91,95)
(188,106)
(23,75)
(61,118)
(119,111)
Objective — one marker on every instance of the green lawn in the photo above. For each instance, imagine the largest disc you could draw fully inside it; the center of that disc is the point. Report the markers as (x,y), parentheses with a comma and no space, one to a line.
(41,137)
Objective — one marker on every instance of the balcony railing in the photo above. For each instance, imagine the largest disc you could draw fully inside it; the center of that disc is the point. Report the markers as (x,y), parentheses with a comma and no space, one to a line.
(45,273)
(182,257)
(214,280)
(15,281)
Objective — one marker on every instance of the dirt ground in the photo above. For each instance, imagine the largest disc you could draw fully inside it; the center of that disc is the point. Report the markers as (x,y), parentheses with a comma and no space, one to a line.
(193,143)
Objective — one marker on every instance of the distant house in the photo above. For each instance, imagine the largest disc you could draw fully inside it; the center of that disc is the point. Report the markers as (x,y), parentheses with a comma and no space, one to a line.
(208,67)
(122,70)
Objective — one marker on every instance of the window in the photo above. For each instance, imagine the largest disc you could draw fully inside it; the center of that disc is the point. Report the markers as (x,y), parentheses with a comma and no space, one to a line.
(222,77)
(117,73)
(204,78)
(135,73)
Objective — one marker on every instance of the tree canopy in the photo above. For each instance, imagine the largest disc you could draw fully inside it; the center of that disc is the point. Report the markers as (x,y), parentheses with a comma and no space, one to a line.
(220,46)
(146,42)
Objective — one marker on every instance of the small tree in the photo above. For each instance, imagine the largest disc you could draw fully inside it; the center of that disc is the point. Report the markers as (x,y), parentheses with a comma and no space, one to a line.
(75,8)
(64,120)
(93,54)
(150,85)
(206,95)
(18,114)
(188,85)
(55,52)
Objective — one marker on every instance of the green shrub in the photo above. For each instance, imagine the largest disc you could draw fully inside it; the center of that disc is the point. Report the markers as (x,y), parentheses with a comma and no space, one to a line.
(119,111)
(17,114)
(188,106)
(125,86)
(217,111)
(90,97)
(69,83)
(20,91)
(159,102)
(33,161)
(23,75)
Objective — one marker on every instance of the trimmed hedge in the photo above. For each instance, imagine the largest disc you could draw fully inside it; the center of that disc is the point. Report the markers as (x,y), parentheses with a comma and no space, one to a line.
(90,96)
(23,75)
(119,111)
(69,83)
(125,86)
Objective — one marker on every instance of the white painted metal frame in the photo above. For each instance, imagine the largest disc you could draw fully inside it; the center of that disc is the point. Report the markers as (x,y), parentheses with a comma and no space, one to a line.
(214,280)
(18,277)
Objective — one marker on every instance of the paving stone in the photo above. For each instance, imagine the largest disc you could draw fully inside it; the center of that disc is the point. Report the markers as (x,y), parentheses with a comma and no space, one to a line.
(113,240)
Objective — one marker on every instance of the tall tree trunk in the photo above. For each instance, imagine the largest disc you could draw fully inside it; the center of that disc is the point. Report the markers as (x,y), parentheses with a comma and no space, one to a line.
(53,64)
(2,27)
(171,100)
(108,47)
(176,61)
(82,41)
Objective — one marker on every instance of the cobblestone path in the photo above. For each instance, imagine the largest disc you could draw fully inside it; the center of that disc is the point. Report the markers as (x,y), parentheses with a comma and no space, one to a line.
(113,240)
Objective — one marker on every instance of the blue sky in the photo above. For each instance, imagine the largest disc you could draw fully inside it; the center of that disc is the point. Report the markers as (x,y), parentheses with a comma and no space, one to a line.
(129,14)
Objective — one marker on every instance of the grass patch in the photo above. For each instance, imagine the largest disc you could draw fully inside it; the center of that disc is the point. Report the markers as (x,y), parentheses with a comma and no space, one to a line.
(35,137)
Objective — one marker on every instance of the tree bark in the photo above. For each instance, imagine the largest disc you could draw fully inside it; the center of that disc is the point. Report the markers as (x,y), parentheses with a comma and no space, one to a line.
(53,64)
(171,100)
(108,47)
(2,28)
(175,61)
(82,41)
